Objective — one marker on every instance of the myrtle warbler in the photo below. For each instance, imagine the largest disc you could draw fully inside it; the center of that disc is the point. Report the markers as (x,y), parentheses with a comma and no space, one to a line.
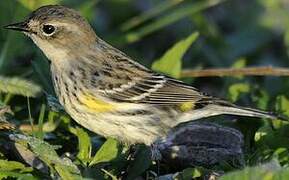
(107,92)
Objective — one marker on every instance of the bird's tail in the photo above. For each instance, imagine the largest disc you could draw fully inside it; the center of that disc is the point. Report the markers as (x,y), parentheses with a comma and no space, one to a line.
(228,109)
(244,111)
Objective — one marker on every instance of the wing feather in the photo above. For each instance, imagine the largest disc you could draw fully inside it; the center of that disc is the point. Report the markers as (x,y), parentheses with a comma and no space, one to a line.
(134,83)
(157,90)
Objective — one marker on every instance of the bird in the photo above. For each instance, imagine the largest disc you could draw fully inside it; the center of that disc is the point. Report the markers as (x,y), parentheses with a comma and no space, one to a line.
(106,91)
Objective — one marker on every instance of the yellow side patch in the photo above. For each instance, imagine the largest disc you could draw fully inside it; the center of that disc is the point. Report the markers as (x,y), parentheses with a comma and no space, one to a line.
(187,106)
(96,105)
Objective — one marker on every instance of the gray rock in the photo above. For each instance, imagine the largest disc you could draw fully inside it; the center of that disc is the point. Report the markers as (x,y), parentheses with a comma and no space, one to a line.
(201,144)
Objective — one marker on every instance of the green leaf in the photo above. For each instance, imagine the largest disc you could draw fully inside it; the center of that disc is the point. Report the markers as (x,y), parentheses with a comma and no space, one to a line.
(240,63)
(141,163)
(189,173)
(107,152)
(171,62)
(170,18)
(237,89)
(270,171)
(15,169)
(262,99)
(149,14)
(87,9)
(64,173)
(33,4)
(13,165)
(282,155)
(46,152)
(282,105)
(6,174)
(19,86)
(84,144)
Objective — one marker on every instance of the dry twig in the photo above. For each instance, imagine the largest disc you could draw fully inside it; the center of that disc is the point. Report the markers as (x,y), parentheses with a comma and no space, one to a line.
(249,71)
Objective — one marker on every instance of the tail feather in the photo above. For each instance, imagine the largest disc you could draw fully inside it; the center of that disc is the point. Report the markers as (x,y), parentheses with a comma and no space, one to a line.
(228,109)
(244,111)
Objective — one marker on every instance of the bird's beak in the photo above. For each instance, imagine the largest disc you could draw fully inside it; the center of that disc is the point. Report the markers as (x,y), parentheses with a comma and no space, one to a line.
(21,26)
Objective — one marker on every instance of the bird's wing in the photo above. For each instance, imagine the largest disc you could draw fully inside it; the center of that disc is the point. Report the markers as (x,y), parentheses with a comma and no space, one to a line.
(156,89)
(127,81)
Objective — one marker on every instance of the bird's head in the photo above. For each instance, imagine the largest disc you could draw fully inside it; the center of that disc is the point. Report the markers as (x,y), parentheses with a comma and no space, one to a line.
(57,30)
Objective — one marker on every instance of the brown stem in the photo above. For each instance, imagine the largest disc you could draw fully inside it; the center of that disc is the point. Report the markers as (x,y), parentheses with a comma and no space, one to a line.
(249,71)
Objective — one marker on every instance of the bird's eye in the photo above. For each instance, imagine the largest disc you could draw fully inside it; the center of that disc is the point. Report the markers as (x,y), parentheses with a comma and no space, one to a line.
(48,29)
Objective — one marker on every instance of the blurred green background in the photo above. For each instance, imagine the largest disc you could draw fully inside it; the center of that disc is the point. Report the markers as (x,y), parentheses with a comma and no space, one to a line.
(255,31)
(232,33)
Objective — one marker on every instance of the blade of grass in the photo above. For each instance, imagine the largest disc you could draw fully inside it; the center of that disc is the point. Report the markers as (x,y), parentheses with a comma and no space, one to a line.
(29,115)
(4,54)
(109,174)
(158,9)
(172,17)
(11,44)
(19,86)
(40,67)
(40,133)
(7,98)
